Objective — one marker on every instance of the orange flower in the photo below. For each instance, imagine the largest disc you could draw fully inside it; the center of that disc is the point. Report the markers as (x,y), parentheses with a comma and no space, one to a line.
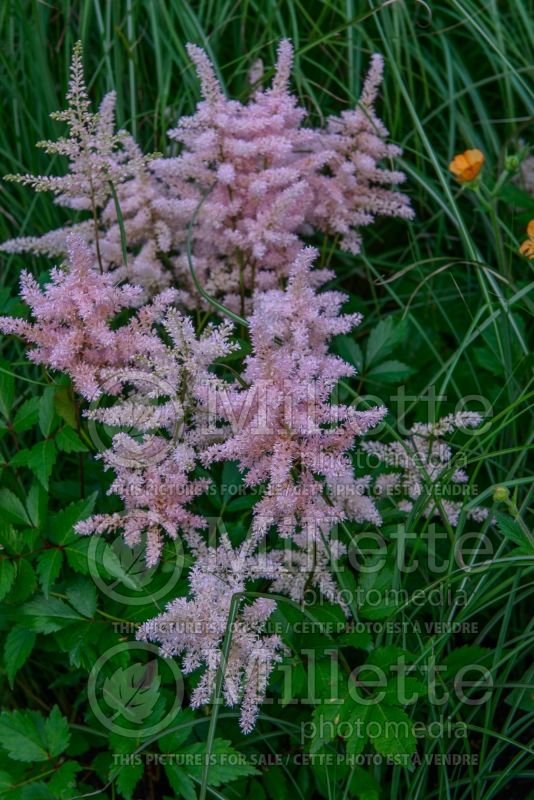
(466,166)
(527,248)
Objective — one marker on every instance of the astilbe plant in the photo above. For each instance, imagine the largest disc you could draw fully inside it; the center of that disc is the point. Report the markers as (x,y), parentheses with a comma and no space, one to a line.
(162,397)
(249,183)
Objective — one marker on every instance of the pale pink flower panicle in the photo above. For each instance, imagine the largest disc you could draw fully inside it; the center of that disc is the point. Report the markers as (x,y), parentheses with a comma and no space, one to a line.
(286,434)
(195,627)
(72,331)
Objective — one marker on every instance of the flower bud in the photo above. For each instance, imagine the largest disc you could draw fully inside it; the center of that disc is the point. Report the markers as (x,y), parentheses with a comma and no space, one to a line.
(501,494)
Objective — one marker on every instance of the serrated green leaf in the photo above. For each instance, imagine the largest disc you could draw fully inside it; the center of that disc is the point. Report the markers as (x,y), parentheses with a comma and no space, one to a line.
(512,530)
(392,733)
(62,784)
(7,575)
(390,371)
(68,441)
(180,781)
(50,614)
(65,406)
(25,584)
(61,525)
(19,644)
(13,508)
(37,503)
(227,764)
(384,337)
(22,734)
(7,389)
(57,732)
(41,461)
(349,350)
(47,414)
(128,778)
(363,786)
(82,596)
(49,567)
(27,415)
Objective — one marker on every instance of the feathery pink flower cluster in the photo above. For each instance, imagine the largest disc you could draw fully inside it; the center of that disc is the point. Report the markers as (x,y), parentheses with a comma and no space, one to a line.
(72,330)
(163,399)
(196,628)
(285,431)
(425,458)
(101,158)
(250,181)
(255,180)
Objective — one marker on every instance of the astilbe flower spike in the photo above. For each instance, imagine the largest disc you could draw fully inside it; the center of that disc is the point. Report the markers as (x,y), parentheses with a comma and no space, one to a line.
(285,431)
(98,157)
(424,457)
(195,627)
(162,397)
(255,180)
(72,331)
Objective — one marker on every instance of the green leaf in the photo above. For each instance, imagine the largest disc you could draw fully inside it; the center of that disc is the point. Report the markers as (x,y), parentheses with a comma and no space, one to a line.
(82,596)
(50,614)
(133,691)
(22,734)
(65,406)
(68,441)
(227,765)
(512,530)
(358,736)
(7,389)
(62,784)
(19,644)
(7,576)
(349,350)
(27,415)
(37,503)
(47,414)
(383,339)
(25,584)
(180,781)
(390,371)
(13,508)
(363,786)
(49,567)
(464,656)
(392,733)
(57,732)
(42,458)
(61,525)
(128,778)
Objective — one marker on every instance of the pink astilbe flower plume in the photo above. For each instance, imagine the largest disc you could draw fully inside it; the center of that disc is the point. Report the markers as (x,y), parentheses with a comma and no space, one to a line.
(72,332)
(353,191)
(242,170)
(99,156)
(161,416)
(425,458)
(256,179)
(195,628)
(286,433)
